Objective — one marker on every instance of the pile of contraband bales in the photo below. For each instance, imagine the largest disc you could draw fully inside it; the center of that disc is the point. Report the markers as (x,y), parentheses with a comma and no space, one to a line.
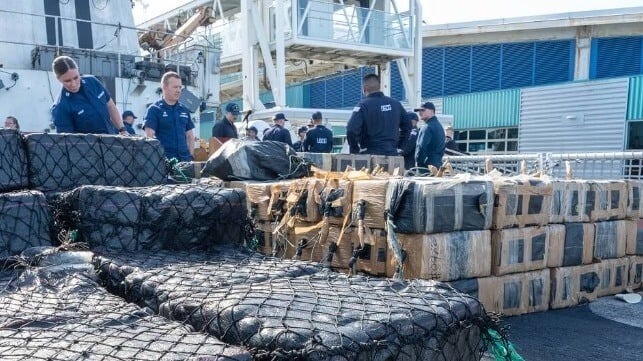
(519,244)
(101,258)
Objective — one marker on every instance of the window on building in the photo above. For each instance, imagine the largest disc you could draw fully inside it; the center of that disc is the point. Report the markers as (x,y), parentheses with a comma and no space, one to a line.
(635,135)
(488,141)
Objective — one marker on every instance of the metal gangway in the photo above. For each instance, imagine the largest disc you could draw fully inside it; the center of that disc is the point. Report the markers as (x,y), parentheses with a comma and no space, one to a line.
(614,165)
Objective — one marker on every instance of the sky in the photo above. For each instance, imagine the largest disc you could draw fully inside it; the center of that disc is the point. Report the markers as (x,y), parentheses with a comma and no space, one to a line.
(448,11)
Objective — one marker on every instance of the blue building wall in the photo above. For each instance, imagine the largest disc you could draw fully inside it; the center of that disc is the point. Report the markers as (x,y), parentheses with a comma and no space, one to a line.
(618,56)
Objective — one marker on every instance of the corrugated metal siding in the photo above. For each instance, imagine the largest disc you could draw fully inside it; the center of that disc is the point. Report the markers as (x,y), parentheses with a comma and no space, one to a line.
(612,57)
(599,108)
(635,99)
(484,110)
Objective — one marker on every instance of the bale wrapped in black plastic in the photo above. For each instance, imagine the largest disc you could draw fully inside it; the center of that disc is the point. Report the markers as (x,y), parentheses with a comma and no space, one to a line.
(246,160)
(179,217)
(25,222)
(425,205)
(133,161)
(60,162)
(56,313)
(149,278)
(329,316)
(13,161)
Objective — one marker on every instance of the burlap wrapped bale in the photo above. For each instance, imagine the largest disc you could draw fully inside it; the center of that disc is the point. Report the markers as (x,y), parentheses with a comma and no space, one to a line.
(510,295)
(574,285)
(635,279)
(634,243)
(634,199)
(310,242)
(25,221)
(132,161)
(189,216)
(570,201)
(519,250)
(610,239)
(609,199)
(614,275)
(373,194)
(13,161)
(521,201)
(335,199)
(444,256)
(56,313)
(372,257)
(571,247)
(266,201)
(421,205)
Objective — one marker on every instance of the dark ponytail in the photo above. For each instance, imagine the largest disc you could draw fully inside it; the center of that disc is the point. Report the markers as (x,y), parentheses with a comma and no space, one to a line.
(63,64)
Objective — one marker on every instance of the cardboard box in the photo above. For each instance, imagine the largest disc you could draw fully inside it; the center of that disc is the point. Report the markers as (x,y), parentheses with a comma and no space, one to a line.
(444,256)
(573,247)
(264,237)
(614,276)
(303,199)
(635,279)
(519,250)
(374,255)
(441,205)
(569,201)
(316,245)
(521,202)
(373,194)
(320,160)
(573,285)
(609,200)
(266,201)
(355,161)
(634,242)
(335,199)
(201,155)
(634,199)
(392,165)
(610,239)
(510,295)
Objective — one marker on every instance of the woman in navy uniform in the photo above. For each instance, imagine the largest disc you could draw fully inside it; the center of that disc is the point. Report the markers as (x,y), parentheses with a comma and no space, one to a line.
(319,139)
(84,104)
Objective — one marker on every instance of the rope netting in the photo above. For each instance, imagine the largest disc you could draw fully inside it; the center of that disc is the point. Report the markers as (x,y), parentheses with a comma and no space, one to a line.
(181,217)
(289,310)
(13,161)
(24,222)
(61,162)
(59,312)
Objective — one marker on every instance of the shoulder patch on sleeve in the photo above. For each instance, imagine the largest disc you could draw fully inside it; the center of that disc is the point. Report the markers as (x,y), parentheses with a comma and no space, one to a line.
(356,109)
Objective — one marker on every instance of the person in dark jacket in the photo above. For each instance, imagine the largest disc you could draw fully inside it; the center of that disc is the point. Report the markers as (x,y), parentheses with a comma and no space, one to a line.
(277,132)
(319,139)
(225,128)
(409,149)
(128,121)
(430,142)
(450,147)
(299,144)
(378,124)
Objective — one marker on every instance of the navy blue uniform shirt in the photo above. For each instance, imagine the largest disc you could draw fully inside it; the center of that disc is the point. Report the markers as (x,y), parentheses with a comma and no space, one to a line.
(319,140)
(430,144)
(224,129)
(409,149)
(298,146)
(84,111)
(279,134)
(129,128)
(378,126)
(170,122)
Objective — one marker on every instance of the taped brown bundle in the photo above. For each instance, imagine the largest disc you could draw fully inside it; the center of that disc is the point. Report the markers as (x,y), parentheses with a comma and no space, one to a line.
(634,243)
(369,253)
(609,199)
(301,199)
(574,285)
(634,199)
(373,193)
(519,250)
(521,201)
(610,239)
(317,242)
(334,199)
(571,247)
(614,276)
(635,279)
(521,293)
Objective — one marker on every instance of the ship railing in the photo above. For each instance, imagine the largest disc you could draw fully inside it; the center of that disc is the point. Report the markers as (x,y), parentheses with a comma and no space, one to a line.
(609,165)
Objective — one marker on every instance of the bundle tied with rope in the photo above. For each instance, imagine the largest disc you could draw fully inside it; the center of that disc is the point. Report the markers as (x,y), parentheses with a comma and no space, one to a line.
(247,160)
(25,221)
(190,216)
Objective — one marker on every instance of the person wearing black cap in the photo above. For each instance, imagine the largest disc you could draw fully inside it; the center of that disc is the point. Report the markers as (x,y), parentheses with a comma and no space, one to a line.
(431,139)
(251,134)
(128,121)
(408,152)
(225,128)
(319,139)
(378,124)
(299,144)
(277,132)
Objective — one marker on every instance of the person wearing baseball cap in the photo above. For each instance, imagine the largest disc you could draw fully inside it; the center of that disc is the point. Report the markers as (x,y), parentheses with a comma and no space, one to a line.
(277,132)
(319,139)
(128,121)
(225,128)
(408,152)
(431,138)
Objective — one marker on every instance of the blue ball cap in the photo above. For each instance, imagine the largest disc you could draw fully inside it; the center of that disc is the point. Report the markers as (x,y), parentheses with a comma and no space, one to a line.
(129,113)
(232,108)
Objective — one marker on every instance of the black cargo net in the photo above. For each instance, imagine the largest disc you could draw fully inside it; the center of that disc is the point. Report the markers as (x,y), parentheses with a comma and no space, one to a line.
(24,222)
(59,312)
(61,162)
(13,161)
(179,217)
(288,310)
